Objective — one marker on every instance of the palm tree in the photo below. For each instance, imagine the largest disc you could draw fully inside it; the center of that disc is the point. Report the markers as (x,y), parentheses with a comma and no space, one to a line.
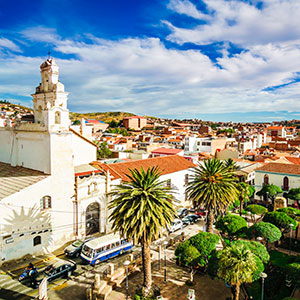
(230,164)
(212,186)
(141,208)
(245,191)
(236,266)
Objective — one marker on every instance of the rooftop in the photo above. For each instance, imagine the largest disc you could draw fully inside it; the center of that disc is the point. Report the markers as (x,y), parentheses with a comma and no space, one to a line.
(15,179)
(167,151)
(166,165)
(280,168)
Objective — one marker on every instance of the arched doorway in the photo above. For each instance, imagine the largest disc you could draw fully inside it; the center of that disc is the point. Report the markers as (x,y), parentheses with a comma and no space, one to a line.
(285,183)
(92,218)
(266,180)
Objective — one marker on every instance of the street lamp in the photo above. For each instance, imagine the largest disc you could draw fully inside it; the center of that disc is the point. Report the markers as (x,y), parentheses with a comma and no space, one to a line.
(291,232)
(259,239)
(165,271)
(126,264)
(263,277)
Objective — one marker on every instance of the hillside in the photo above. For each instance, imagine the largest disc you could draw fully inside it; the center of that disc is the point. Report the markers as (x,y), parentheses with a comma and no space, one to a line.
(102,116)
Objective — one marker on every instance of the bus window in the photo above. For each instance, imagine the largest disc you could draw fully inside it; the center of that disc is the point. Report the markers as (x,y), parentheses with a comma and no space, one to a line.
(117,243)
(107,247)
(113,245)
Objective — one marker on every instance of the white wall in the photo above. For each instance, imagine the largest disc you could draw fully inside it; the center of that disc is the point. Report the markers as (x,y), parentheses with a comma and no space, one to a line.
(83,151)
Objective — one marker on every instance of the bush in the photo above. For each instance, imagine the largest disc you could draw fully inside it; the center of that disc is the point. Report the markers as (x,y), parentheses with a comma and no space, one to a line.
(256,209)
(266,230)
(293,271)
(259,269)
(231,224)
(269,189)
(293,213)
(280,220)
(197,249)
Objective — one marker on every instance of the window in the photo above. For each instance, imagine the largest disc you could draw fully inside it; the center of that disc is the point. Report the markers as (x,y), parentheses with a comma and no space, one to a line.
(266,179)
(93,187)
(57,117)
(285,183)
(186,179)
(37,240)
(45,202)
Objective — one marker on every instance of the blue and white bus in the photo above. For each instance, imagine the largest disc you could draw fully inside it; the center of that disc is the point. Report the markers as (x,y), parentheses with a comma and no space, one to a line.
(102,248)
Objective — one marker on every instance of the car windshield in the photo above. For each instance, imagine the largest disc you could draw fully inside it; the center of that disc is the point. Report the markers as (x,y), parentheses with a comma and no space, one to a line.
(77,243)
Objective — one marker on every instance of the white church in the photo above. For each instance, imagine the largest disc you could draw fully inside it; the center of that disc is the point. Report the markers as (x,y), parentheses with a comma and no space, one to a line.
(49,193)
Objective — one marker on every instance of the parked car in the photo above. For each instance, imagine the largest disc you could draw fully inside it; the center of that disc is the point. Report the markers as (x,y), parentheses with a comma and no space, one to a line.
(193,217)
(182,212)
(201,213)
(75,248)
(57,270)
(176,225)
(186,221)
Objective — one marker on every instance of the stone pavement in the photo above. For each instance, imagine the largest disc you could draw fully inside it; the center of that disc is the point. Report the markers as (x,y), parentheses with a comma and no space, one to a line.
(175,287)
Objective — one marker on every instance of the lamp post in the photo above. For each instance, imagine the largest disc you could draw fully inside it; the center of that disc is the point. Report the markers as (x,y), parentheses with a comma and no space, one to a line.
(263,277)
(126,264)
(165,271)
(291,232)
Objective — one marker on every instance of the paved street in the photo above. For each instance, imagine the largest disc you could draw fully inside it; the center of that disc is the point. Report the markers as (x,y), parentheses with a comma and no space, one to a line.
(74,288)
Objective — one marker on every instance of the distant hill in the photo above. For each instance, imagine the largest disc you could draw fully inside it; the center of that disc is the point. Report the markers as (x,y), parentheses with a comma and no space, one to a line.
(102,116)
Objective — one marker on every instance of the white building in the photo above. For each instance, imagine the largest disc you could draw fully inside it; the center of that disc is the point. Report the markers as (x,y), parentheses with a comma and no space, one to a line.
(37,178)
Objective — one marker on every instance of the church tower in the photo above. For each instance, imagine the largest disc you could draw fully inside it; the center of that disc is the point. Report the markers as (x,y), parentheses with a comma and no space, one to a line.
(50,99)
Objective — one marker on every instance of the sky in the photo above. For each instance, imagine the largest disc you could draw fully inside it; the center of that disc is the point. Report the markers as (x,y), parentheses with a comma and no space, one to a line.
(217,60)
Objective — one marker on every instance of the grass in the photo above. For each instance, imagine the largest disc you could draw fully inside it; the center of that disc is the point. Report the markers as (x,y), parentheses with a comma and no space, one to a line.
(280,259)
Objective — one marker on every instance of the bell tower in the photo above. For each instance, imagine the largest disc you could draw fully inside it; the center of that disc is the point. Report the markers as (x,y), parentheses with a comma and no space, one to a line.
(50,99)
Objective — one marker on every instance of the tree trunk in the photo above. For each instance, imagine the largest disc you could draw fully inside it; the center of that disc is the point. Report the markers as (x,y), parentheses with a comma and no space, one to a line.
(237,292)
(241,205)
(210,220)
(147,267)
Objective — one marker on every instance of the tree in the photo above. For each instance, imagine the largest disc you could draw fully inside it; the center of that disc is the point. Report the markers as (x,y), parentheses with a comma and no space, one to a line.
(76,122)
(266,230)
(293,213)
(269,190)
(204,242)
(103,150)
(294,194)
(256,248)
(231,224)
(236,266)
(280,220)
(213,186)
(256,209)
(245,192)
(231,165)
(141,208)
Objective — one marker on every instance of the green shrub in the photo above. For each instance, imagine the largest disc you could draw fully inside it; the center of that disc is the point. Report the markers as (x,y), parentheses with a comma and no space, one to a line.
(190,256)
(293,213)
(266,230)
(231,224)
(259,269)
(256,209)
(181,247)
(280,220)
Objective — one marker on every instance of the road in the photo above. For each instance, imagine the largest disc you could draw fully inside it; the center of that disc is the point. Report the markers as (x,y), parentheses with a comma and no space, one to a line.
(73,288)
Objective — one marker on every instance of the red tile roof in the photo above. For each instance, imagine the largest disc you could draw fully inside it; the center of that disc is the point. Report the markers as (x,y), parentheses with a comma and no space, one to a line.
(167,151)
(166,165)
(274,127)
(280,168)
(294,160)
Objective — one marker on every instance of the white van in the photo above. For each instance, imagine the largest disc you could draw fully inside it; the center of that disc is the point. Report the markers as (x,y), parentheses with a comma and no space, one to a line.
(175,225)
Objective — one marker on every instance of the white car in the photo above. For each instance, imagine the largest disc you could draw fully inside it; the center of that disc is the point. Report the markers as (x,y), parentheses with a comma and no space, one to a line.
(176,225)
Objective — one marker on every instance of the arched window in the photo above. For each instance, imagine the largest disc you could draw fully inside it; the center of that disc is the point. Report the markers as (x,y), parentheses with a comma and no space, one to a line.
(57,117)
(37,240)
(266,179)
(45,202)
(93,187)
(285,183)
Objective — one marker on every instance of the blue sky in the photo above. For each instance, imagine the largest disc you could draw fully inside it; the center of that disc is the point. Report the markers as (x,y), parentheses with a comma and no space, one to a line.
(211,59)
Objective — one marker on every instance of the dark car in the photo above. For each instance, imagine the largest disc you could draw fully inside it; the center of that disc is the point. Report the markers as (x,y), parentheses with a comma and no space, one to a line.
(186,221)
(182,212)
(57,270)
(190,219)
(75,248)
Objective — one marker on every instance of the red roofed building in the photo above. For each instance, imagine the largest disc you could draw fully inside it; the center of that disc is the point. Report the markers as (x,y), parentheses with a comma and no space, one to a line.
(166,151)
(278,131)
(134,122)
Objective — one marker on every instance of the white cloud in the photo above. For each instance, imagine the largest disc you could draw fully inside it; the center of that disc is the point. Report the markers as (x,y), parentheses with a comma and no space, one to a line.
(5,43)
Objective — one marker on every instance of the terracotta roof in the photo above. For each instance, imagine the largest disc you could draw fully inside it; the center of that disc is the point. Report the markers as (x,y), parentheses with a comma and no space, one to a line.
(167,151)
(15,179)
(166,164)
(280,168)
(294,160)
(274,127)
